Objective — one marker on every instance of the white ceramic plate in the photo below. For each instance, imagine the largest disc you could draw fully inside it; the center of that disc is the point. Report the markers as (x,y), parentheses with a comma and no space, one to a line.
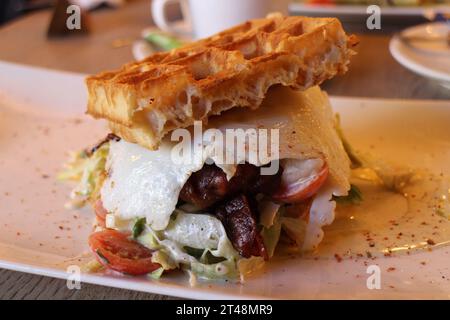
(42,117)
(427,58)
(361,10)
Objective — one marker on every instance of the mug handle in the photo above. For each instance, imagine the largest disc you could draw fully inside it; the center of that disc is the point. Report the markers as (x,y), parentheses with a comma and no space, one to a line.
(160,18)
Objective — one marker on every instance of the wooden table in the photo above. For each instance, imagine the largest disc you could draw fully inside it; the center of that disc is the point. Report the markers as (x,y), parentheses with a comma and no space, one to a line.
(373,73)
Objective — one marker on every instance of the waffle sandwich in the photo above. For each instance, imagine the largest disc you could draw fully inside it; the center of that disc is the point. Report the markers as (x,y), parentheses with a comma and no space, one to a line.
(216,218)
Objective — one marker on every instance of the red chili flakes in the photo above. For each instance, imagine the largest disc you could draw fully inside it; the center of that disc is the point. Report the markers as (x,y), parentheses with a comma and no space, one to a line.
(393,222)
(337,257)
(45,130)
(390,269)
(61,227)
(423,263)
(431,242)
(18,233)
(45,176)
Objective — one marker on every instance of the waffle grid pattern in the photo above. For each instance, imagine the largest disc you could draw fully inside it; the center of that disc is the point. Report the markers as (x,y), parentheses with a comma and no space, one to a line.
(145,100)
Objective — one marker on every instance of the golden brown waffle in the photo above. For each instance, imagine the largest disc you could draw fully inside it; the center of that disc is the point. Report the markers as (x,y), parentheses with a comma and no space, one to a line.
(145,100)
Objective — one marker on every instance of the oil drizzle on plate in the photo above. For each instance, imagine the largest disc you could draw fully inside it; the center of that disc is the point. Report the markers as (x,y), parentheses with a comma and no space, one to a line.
(387,222)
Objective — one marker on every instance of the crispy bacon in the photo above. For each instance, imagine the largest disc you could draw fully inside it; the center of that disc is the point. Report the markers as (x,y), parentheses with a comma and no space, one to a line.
(239,220)
(205,187)
(210,185)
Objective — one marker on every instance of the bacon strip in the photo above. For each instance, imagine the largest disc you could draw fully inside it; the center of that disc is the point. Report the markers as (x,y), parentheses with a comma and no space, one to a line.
(240,224)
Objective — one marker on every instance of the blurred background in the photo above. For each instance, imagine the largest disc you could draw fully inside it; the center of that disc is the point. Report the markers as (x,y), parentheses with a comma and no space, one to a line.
(406,56)
(349,11)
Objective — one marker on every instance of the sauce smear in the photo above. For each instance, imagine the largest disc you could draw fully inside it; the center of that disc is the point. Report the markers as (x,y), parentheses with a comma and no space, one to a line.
(387,222)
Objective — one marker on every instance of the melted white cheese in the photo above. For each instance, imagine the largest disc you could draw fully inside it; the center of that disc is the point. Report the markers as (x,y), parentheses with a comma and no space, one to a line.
(321,214)
(144,183)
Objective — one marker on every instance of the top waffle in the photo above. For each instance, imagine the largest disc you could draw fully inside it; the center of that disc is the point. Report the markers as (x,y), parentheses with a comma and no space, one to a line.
(145,100)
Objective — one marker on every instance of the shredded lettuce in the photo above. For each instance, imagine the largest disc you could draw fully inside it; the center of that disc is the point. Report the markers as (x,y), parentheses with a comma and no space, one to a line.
(271,235)
(149,240)
(161,257)
(88,171)
(92,266)
(268,211)
(295,228)
(222,270)
(138,227)
(155,275)
(73,169)
(196,253)
(393,178)
(200,231)
(354,196)
(197,243)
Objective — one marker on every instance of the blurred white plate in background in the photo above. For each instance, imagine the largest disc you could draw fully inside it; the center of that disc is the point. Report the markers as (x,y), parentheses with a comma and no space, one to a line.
(429,57)
(358,9)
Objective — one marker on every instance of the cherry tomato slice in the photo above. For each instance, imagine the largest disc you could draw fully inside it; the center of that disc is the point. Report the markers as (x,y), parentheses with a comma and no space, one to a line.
(116,251)
(100,213)
(303,188)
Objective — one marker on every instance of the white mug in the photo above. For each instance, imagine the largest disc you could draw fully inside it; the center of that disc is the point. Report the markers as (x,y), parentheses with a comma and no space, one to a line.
(207,17)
